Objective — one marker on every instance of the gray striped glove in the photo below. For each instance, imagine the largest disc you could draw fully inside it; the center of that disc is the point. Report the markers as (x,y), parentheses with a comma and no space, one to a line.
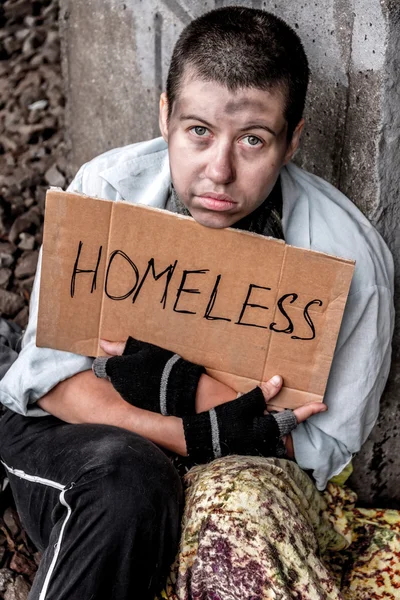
(158,380)
(237,427)
(152,378)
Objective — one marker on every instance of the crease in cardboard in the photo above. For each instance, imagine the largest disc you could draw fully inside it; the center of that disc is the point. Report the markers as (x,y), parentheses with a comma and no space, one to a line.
(103,296)
(274,314)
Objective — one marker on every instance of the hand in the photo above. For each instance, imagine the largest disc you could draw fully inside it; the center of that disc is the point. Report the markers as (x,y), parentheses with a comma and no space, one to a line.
(112,348)
(210,392)
(236,427)
(302,413)
(150,377)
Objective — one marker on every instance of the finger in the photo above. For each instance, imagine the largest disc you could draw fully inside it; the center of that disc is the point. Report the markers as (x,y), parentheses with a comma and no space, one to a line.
(305,412)
(112,348)
(272,387)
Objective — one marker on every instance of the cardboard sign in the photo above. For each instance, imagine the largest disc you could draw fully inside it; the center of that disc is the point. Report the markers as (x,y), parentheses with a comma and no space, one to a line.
(245,306)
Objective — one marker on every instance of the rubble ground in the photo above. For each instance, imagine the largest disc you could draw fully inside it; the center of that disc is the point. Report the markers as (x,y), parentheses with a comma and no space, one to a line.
(32,151)
(32,157)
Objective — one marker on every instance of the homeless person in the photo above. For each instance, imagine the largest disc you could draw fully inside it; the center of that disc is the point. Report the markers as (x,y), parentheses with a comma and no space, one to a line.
(91,453)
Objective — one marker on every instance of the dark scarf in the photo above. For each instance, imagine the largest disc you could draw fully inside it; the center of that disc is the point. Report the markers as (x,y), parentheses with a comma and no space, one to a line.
(265,220)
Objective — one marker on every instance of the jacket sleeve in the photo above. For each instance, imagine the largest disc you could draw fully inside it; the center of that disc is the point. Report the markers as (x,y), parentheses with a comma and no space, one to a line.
(325,443)
(37,370)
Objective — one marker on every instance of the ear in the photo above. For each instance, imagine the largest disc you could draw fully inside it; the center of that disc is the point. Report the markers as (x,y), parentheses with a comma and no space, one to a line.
(294,142)
(163,116)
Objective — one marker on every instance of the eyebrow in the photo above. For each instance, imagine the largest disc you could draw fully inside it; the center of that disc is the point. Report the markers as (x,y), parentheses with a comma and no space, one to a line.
(249,126)
(194,118)
(259,126)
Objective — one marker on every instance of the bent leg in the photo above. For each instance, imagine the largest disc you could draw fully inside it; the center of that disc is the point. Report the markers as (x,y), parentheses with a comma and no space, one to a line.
(253,528)
(102,503)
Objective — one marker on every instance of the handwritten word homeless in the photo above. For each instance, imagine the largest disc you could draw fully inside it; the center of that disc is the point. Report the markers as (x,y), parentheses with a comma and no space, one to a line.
(186,276)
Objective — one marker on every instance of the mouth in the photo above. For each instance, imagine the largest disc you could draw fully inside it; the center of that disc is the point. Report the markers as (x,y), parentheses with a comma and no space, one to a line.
(217,202)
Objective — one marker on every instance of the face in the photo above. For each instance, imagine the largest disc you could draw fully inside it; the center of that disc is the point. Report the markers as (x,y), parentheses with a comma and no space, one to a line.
(226,148)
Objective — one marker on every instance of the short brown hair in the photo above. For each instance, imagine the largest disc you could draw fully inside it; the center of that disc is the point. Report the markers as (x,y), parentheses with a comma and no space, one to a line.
(243,47)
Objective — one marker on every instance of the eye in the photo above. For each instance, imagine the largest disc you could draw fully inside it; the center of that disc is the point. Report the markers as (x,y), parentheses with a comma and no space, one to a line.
(252,140)
(200,131)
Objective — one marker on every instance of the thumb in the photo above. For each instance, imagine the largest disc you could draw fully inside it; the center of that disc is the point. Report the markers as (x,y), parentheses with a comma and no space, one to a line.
(112,348)
(304,412)
(272,387)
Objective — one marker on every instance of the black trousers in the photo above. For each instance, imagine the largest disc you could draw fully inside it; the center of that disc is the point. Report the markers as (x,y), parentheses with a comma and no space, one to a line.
(101,503)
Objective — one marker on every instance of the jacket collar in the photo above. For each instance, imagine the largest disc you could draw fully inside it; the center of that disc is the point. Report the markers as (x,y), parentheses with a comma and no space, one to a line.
(143,179)
(296,207)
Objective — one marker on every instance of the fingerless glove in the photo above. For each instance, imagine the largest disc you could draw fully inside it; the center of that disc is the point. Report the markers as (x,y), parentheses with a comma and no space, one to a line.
(158,380)
(237,427)
(152,378)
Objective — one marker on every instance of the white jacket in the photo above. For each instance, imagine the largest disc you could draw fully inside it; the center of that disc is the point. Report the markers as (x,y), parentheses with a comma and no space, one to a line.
(316,216)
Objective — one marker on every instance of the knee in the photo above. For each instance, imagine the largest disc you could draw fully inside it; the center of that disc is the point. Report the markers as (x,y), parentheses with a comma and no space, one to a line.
(234,482)
(130,477)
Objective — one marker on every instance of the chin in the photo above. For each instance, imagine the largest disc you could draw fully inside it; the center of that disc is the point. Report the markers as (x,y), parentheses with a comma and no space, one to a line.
(214,220)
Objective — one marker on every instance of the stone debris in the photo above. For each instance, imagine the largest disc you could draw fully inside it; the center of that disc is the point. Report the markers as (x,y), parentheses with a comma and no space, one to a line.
(32,149)
(6,577)
(10,303)
(17,558)
(32,157)
(11,521)
(26,265)
(27,221)
(18,590)
(5,276)
(54,177)
(27,241)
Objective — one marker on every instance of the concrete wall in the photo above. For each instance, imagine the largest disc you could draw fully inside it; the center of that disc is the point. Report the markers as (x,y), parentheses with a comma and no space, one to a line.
(116,57)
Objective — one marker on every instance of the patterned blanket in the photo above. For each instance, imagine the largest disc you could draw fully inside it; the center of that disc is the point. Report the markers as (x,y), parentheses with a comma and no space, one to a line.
(257,529)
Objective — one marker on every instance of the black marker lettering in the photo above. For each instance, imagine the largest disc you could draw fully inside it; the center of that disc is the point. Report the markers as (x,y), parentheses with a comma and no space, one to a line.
(134,268)
(308,320)
(170,270)
(76,270)
(247,303)
(211,302)
(289,328)
(182,290)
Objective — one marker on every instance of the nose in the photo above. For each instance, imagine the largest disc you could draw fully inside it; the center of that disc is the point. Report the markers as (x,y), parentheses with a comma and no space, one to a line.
(220,168)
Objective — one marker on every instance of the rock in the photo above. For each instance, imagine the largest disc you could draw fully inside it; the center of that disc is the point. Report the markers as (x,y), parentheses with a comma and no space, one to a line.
(5,275)
(7,247)
(37,557)
(25,284)
(22,564)
(27,241)
(10,303)
(26,265)
(38,105)
(28,202)
(6,260)
(24,223)
(6,576)
(11,520)
(22,318)
(2,554)
(54,177)
(18,590)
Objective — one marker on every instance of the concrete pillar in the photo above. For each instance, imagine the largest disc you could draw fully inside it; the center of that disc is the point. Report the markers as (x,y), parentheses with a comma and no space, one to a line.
(116,57)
